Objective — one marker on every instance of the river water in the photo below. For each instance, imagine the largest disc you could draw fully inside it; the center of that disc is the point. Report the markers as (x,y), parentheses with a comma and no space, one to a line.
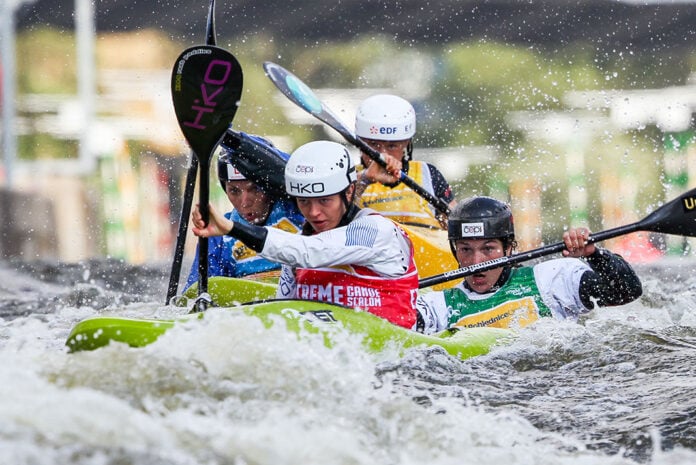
(616,388)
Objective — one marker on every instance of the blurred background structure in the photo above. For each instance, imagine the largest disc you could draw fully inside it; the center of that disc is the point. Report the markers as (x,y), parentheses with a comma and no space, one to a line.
(576,112)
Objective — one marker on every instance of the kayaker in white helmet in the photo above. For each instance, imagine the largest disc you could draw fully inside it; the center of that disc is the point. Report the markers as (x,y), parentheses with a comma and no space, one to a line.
(387,123)
(252,205)
(345,254)
(482,229)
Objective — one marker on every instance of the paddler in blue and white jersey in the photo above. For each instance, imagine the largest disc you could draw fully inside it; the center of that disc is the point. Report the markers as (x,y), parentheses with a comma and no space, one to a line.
(345,255)
(228,256)
(482,229)
(387,123)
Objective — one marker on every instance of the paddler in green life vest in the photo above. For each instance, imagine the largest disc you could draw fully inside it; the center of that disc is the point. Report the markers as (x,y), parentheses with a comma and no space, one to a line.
(387,123)
(481,229)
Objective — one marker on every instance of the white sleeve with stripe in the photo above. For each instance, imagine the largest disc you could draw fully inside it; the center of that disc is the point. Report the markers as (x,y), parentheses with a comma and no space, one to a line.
(369,240)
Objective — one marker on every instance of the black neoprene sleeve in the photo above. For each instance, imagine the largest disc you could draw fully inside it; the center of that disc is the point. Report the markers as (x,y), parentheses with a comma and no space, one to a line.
(253,236)
(612,281)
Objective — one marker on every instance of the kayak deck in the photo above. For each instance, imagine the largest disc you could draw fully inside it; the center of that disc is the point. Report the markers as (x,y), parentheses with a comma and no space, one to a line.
(299,315)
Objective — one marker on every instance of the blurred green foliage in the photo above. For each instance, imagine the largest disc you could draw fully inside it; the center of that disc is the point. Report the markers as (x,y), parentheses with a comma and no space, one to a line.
(468,91)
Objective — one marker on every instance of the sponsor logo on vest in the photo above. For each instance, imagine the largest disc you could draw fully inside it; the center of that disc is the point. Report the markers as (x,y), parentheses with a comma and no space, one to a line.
(472,229)
(522,290)
(241,252)
(515,313)
(300,188)
(363,297)
(352,296)
(328,293)
(489,322)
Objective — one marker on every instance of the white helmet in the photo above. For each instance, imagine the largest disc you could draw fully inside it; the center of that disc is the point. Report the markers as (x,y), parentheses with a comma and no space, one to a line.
(318,169)
(385,117)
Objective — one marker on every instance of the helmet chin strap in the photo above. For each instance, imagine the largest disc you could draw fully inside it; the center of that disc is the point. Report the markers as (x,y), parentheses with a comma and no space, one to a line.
(409,150)
(507,269)
(351,211)
(348,216)
(351,208)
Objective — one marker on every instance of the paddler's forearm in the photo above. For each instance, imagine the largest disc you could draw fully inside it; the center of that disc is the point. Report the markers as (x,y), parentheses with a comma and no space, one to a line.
(362,184)
(253,236)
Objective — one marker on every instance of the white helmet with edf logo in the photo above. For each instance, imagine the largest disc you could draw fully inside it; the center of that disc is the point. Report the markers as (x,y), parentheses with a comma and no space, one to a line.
(385,117)
(319,169)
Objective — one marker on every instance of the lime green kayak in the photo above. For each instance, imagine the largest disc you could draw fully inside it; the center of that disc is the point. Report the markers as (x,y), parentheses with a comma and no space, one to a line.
(228,292)
(299,315)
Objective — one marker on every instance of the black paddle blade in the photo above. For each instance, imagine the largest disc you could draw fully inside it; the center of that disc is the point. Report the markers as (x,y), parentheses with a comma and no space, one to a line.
(675,217)
(206,88)
(301,95)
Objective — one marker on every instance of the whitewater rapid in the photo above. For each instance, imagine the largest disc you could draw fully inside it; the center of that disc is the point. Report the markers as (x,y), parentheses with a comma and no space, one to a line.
(615,388)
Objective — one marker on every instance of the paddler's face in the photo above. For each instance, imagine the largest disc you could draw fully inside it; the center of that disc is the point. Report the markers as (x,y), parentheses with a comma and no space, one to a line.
(252,203)
(394,148)
(473,251)
(323,213)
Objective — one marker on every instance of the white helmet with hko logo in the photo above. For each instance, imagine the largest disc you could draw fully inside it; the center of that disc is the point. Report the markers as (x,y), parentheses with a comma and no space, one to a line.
(319,169)
(385,117)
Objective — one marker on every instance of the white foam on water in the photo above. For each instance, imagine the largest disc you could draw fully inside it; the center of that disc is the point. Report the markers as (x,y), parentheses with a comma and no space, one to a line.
(227,390)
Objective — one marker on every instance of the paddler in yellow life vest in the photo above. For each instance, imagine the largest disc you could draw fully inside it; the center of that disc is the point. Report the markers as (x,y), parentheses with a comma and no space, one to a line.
(481,229)
(387,123)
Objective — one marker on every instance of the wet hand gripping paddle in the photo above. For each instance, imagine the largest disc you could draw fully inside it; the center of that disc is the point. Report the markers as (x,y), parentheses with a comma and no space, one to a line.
(206,88)
(675,217)
(301,95)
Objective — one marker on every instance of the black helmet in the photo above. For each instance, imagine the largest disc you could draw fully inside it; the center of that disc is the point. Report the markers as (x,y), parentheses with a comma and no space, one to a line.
(480,218)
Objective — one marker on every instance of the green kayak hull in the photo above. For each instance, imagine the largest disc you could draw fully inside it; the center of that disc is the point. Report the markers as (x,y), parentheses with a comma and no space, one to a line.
(299,316)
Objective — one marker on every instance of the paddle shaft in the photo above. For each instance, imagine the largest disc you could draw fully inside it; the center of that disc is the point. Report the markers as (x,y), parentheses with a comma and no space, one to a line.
(210,36)
(206,88)
(183,228)
(677,216)
(203,201)
(523,256)
(189,187)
